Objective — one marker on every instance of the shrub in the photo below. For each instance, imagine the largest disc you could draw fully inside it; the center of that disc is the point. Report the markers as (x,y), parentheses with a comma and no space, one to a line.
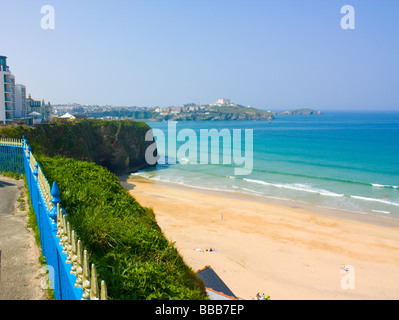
(124,241)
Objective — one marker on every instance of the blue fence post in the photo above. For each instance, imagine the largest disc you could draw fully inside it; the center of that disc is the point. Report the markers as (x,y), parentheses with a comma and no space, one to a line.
(28,170)
(55,192)
(36,202)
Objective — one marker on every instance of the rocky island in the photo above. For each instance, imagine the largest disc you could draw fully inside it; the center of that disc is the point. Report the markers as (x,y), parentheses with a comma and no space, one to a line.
(297,112)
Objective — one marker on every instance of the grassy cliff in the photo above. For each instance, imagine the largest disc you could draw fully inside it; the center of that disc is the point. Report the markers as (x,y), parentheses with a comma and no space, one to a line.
(116,145)
(238,112)
(123,238)
(125,242)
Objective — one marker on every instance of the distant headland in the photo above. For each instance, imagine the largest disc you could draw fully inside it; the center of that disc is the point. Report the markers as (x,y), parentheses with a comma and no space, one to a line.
(301,111)
(222,109)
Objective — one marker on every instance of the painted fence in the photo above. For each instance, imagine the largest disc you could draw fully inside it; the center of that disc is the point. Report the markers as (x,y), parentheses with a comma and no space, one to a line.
(70,273)
(11,156)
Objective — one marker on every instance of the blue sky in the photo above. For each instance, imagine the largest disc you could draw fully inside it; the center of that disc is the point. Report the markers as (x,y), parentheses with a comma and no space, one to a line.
(276,54)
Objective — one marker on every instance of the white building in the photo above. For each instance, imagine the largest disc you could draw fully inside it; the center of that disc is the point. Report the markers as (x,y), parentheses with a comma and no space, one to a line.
(14,106)
(36,117)
(38,106)
(20,101)
(67,116)
(223,102)
(7,93)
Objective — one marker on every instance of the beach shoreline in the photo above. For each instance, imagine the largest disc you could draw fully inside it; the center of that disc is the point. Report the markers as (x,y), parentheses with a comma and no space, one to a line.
(318,210)
(273,246)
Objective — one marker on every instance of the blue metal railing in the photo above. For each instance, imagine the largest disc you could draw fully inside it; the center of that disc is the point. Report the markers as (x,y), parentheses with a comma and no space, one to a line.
(11,158)
(69,273)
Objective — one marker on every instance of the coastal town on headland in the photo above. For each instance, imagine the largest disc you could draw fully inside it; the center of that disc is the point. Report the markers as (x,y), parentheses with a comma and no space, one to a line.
(222,109)
(17,108)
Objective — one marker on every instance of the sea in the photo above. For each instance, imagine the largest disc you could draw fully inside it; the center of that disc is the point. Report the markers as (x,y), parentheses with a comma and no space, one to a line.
(347,161)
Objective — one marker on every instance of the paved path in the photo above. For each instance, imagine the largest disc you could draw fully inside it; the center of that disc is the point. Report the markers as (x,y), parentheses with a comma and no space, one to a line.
(20,271)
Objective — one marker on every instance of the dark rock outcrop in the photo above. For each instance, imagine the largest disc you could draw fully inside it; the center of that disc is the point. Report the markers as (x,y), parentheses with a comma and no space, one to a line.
(117,145)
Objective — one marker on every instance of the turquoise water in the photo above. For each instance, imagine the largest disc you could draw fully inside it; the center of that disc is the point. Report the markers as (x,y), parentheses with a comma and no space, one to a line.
(346,161)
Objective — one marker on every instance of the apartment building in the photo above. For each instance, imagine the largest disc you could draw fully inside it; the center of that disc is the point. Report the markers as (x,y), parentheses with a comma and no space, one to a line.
(20,101)
(7,93)
(14,106)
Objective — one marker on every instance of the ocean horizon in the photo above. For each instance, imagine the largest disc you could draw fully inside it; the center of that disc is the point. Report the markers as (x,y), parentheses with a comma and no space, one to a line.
(346,161)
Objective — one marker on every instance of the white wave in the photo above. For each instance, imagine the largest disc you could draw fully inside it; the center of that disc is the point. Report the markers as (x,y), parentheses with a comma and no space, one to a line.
(298,187)
(376,200)
(258,181)
(184,161)
(377,185)
(213,188)
(252,191)
(278,198)
(381,211)
(143,174)
(331,194)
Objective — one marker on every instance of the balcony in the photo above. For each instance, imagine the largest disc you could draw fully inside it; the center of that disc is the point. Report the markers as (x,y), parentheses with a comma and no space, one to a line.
(9,116)
(9,99)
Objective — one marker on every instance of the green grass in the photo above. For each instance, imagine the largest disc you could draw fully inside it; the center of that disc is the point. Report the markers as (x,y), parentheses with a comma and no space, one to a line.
(123,238)
(12,175)
(130,251)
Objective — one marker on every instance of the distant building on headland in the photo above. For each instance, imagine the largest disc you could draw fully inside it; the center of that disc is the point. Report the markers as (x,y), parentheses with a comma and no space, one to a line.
(68,117)
(223,102)
(14,106)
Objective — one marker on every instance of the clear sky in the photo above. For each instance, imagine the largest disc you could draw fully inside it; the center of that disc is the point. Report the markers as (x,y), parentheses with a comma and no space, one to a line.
(274,54)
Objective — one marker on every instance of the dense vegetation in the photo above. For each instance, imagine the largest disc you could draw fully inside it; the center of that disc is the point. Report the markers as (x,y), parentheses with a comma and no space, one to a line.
(124,240)
(239,112)
(117,145)
(233,112)
(126,244)
(125,113)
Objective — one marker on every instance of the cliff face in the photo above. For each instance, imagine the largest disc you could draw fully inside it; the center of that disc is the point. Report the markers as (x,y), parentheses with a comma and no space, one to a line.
(117,145)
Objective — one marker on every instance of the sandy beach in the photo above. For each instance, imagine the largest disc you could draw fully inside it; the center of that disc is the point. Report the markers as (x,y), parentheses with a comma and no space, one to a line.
(282,250)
